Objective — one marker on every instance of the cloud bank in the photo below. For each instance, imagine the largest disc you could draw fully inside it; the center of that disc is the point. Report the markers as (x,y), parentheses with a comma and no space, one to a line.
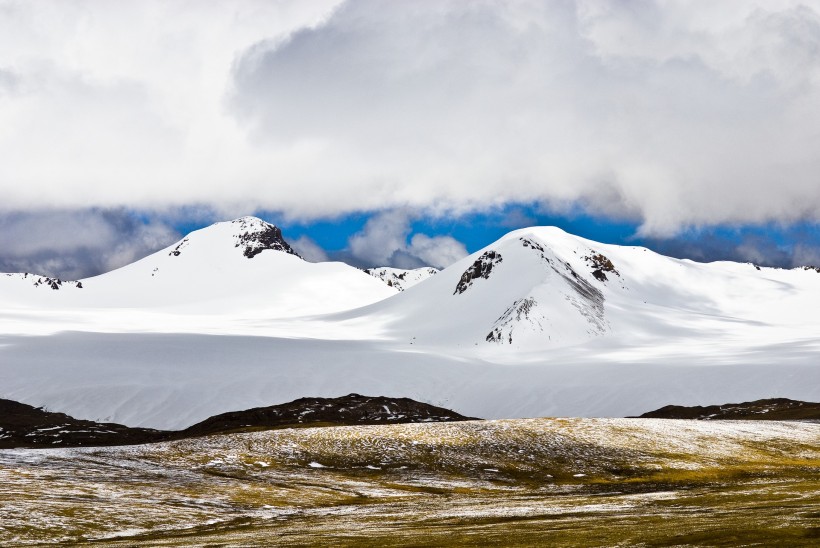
(76,244)
(385,241)
(672,114)
(309,249)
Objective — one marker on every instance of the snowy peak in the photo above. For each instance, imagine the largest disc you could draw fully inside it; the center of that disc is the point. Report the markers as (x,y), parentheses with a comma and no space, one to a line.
(255,236)
(564,298)
(250,235)
(534,288)
(481,268)
(400,279)
(243,265)
(557,250)
(234,269)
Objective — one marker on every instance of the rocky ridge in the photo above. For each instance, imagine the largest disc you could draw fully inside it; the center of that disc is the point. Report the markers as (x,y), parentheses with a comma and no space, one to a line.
(400,279)
(256,236)
(772,409)
(23,425)
(46,281)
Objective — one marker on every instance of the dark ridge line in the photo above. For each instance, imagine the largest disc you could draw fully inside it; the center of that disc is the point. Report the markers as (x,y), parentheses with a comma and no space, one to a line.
(770,409)
(26,426)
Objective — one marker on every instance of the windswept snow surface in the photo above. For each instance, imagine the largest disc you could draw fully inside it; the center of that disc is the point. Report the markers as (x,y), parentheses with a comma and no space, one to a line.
(539,323)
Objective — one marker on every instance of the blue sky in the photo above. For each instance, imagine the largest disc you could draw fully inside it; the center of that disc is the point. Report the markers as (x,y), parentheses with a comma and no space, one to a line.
(81,243)
(475,230)
(770,244)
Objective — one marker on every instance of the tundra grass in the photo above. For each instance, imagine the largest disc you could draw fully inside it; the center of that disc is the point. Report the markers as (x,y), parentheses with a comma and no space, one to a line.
(566,482)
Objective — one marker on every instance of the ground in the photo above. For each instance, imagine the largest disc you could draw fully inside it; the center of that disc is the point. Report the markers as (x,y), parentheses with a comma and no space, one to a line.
(568,482)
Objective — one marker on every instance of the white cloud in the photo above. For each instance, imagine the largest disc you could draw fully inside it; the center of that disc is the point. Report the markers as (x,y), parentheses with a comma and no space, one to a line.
(384,242)
(805,255)
(77,244)
(437,251)
(308,249)
(381,237)
(669,112)
(123,103)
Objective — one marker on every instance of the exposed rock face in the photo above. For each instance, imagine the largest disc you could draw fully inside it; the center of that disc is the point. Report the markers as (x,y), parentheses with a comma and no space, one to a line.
(177,251)
(520,311)
(588,300)
(255,236)
(526,314)
(252,236)
(47,281)
(401,279)
(600,266)
(481,268)
(345,410)
(22,425)
(535,246)
(774,409)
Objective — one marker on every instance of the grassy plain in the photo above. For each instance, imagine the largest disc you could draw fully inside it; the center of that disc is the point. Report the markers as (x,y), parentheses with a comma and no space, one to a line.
(529,482)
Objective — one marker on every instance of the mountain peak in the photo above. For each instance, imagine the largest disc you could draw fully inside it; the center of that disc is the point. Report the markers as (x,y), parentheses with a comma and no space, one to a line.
(253,236)
(250,234)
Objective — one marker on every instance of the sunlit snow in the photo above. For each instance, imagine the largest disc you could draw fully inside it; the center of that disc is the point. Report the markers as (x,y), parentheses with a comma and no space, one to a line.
(549,329)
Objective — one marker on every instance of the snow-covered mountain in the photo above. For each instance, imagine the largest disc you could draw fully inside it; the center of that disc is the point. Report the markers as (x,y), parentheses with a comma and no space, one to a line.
(528,289)
(241,266)
(542,288)
(539,323)
(400,279)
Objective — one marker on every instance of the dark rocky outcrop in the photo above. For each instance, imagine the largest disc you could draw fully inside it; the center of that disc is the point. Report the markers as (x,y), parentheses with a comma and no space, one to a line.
(177,251)
(23,425)
(535,246)
(401,279)
(600,265)
(774,409)
(518,312)
(481,268)
(252,236)
(260,236)
(346,410)
(47,281)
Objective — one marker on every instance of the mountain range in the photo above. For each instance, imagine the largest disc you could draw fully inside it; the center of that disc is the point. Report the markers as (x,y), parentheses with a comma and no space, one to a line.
(540,322)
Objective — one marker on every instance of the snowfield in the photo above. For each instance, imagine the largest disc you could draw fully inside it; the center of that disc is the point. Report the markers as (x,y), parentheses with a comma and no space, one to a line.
(539,323)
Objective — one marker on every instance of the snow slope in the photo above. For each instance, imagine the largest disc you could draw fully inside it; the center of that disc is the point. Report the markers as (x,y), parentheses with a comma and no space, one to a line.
(540,288)
(229,272)
(538,323)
